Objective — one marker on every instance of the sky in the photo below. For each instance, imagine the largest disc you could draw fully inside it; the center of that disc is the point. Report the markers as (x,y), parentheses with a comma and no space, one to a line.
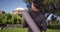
(9,5)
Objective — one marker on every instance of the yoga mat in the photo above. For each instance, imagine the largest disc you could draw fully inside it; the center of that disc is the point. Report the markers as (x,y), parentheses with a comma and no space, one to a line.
(30,21)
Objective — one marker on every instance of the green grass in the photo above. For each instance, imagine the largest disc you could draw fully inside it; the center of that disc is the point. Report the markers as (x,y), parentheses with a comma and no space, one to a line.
(25,30)
(14,30)
(52,28)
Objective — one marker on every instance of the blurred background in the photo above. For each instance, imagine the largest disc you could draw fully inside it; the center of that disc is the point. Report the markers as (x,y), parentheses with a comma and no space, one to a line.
(11,19)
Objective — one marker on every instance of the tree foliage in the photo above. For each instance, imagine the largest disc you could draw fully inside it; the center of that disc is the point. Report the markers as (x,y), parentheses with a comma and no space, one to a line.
(47,4)
(10,19)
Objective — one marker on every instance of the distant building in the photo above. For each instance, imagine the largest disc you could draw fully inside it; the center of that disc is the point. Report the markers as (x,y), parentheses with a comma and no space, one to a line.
(18,11)
(2,12)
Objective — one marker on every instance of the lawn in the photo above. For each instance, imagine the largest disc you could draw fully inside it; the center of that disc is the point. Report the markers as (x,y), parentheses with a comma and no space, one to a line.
(52,28)
(25,30)
(14,30)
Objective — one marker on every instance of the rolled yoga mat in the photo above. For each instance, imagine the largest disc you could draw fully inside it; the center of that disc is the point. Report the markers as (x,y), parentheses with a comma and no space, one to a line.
(30,21)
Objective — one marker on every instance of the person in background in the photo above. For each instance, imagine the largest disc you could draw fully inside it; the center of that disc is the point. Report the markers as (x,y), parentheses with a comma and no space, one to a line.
(38,17)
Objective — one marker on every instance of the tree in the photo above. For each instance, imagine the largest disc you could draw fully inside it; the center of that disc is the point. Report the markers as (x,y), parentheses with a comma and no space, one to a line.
(8,18)
(46,3)
(3,18)
(16,19)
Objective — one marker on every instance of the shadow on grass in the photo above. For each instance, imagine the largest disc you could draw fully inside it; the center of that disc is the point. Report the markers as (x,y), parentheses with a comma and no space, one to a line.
(54,27)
